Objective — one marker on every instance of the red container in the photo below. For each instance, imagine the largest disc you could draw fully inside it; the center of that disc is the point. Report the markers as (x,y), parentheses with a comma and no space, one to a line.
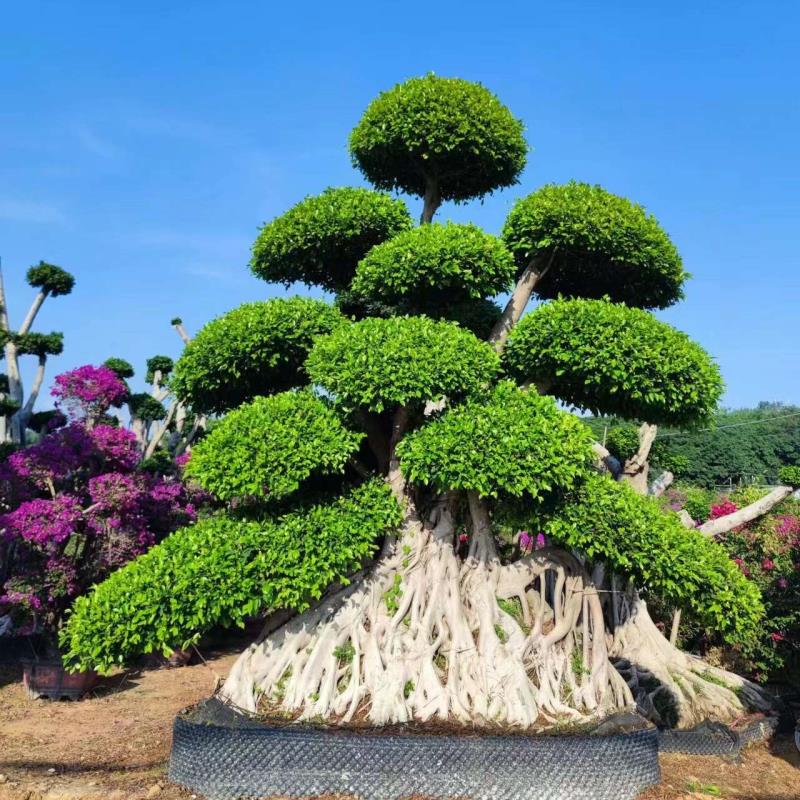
(50,679)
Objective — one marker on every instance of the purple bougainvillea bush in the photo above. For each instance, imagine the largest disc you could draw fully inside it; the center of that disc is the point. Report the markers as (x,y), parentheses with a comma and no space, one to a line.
(78,504)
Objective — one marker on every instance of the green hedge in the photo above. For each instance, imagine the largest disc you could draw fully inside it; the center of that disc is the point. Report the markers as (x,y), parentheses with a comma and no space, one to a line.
(514,441)
(383,363)
(611,359)
(267,448)
(222,571)
(609,522)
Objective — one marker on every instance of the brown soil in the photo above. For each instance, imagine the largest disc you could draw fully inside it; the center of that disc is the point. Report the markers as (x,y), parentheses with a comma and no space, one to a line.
(115,744)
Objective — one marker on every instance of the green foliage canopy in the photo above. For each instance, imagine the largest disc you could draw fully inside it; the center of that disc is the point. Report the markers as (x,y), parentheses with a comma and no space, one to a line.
(39,344)
(448,131)
(321,239)
(514,442)
(50,278)
(611,359)
(146,407)
(162,364)
(609,522)
(596,244)
(266,448)
(122,368)
(382,363)
(447,261)
(790,475)
(256,349)
(222,571)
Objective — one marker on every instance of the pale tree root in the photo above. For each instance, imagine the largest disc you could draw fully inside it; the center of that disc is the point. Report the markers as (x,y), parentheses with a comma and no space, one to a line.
(430,634)
(671,687)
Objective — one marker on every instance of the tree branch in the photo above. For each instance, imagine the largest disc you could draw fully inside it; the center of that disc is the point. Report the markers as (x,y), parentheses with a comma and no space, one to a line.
(606,460)
(637,467)
(399,427)
(181,331)
(3,306)
(661,484)
(716,527)
(518,301)
(33,311)
(162,429)
(35,389)
(376,439)
(431,201)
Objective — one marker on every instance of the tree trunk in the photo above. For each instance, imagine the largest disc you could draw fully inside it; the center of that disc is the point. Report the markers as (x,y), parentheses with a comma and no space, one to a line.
(428,634)
(715,527)
(671,687)
(636,469)
(431,201)
(518,301)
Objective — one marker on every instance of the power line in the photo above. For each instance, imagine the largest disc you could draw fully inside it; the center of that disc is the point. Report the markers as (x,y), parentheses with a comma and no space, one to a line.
(732,425)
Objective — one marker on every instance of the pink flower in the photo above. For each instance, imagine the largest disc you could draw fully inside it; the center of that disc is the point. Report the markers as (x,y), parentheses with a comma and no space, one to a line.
(525,540)
(722,509)
(462,537)
(782,583)
(541,541)
(777,637)
(88,391)
(767,564)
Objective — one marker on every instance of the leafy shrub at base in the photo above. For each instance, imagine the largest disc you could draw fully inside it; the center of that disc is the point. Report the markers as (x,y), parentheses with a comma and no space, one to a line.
(222,571)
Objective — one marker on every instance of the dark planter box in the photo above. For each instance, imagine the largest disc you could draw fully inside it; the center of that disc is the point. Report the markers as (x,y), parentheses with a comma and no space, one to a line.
(225,756)
(50,679)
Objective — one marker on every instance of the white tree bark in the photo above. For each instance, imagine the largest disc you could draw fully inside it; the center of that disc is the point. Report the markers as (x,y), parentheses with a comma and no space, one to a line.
(716,527)
(518,301)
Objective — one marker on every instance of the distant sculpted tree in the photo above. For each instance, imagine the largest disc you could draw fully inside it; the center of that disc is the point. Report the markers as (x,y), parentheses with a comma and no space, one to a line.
(510,548)
(16,410)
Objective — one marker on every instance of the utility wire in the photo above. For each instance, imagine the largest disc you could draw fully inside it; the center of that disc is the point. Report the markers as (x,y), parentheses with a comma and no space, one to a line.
(732,425)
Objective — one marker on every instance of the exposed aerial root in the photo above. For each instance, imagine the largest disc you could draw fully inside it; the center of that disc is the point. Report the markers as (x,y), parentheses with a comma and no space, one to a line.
(435,632)
(672,687)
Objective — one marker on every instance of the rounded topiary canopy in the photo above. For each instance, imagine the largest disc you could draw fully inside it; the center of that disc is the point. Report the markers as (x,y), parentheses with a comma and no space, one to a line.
(267,448)
(122,368)
(449,260)
(382,363)
(39,344)
(50,278)
(448,131)
(514,442)
(596,244)
(146,407)
(256,349)
(633,535)
(611,359)
(162,364)
(321,239)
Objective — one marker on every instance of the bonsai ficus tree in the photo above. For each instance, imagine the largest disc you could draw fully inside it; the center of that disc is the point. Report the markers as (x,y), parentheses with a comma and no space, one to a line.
(16,410)
(396,466)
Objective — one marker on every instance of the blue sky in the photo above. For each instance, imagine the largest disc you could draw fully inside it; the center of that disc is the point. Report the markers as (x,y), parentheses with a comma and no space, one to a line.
(141,146)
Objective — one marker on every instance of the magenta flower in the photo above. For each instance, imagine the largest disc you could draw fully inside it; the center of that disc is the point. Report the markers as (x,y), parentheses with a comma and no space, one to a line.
(116,446)
(525,540)
(43,522)
(541,541)
(722,509)
(767,564)
(88,392)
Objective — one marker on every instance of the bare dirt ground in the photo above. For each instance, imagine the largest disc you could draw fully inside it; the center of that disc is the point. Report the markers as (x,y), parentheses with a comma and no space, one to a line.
(115,744)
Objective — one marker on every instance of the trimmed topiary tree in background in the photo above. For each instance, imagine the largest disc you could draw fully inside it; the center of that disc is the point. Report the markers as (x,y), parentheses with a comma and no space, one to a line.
(16,410)
(418,407)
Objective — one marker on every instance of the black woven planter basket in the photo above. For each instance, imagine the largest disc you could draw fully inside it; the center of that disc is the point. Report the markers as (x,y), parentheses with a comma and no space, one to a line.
(225,756)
